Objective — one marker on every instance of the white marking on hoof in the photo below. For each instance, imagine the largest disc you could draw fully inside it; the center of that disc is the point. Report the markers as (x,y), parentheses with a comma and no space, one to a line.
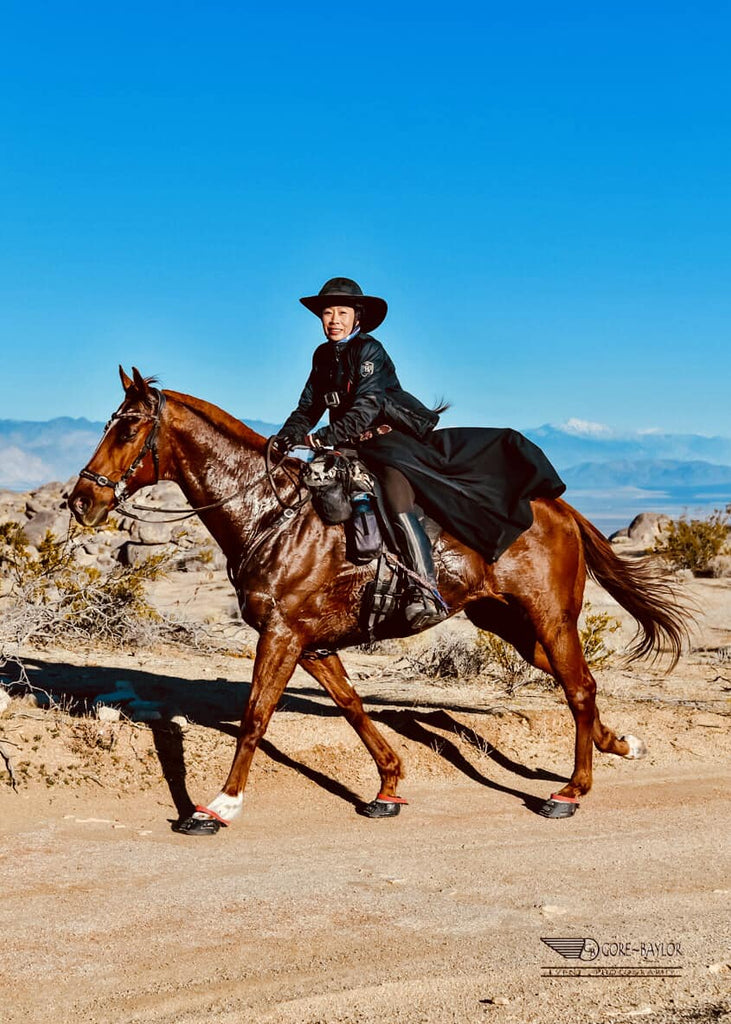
(228,807)
(637,747)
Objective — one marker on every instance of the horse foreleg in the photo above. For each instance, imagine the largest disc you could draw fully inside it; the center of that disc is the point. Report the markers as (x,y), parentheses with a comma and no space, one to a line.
(276,656)
(331,675)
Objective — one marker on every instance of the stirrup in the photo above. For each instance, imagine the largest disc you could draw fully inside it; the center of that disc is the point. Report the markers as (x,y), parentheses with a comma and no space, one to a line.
(423,610)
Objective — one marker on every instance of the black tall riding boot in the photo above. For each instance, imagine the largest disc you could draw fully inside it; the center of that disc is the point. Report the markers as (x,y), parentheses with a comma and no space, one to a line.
(422,607)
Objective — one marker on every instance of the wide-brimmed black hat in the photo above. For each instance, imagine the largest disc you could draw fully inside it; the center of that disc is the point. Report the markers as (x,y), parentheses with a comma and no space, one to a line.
(341,291)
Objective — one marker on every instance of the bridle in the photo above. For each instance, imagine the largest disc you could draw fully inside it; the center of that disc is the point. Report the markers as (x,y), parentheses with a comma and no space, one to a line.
(120,486)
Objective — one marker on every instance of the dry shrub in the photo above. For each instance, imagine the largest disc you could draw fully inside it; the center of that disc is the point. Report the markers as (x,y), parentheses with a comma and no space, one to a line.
(594,634)
(452,657)
(694,543)
(448,658)
(55,598)
(503,663)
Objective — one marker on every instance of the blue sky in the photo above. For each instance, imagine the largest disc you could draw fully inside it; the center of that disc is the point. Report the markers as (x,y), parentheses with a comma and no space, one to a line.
(540,191)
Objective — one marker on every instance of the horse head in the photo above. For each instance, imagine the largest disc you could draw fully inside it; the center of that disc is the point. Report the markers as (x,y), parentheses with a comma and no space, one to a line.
(126,458)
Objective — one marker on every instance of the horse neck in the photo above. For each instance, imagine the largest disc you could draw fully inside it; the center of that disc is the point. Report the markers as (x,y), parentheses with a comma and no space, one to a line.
(210,455)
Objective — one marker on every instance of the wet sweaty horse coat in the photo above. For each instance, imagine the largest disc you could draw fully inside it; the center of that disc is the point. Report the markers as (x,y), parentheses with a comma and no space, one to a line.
(475,482)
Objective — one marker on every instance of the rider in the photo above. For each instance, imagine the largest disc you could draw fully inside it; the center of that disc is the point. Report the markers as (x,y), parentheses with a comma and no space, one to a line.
(476,482)
(354,379)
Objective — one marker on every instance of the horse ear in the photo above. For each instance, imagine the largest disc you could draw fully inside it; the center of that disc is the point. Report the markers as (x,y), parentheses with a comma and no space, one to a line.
(141,386)
(126,381)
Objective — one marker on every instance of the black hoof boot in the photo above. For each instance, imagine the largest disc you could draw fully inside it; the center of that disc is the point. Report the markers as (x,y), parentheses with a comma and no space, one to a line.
(382,807)
(197,826)
(558,807)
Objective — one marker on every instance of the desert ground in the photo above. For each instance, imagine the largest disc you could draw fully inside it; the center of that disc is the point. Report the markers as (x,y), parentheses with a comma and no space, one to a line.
(304,912)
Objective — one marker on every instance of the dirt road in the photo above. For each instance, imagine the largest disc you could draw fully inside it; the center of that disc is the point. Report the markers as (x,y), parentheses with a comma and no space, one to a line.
(305,912)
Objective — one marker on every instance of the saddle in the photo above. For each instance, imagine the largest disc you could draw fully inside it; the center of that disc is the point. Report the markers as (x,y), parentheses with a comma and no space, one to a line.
(344,491)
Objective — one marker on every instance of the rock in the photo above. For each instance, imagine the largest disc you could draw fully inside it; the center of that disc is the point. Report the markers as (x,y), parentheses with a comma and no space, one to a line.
(68,487)
(151,533)
(5,700)
(164,493)
(132,554)
(55,522)
(619,536)
(107,714)
(720,566)
(646,527)
(50,490)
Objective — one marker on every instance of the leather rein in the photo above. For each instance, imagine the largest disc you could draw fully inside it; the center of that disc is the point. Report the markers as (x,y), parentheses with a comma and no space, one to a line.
(121,493)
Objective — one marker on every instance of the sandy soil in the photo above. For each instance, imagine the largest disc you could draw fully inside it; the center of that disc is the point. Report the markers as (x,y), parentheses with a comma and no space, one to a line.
(305,912)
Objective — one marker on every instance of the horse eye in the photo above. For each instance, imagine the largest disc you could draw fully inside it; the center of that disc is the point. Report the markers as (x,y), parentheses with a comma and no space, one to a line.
(127,433)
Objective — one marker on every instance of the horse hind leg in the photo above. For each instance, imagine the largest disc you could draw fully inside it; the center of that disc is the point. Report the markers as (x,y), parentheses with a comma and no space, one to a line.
(331,675)
(629,746)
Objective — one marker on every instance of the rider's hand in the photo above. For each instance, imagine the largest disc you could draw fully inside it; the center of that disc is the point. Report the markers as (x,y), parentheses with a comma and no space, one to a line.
(312,442)
(283,443)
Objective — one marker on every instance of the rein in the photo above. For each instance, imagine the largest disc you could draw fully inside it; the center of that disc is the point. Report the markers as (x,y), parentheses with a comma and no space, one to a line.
(179,514)
(296,481)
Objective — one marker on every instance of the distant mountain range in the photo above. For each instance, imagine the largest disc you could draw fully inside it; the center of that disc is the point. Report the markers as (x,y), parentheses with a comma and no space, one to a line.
(610,476)
(575,443)
(33,453)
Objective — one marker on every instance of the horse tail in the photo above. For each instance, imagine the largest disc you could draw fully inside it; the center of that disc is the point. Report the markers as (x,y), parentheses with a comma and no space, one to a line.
(643,589)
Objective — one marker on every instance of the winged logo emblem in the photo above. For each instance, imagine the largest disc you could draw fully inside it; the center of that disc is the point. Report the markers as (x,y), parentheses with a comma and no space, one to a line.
(582,948)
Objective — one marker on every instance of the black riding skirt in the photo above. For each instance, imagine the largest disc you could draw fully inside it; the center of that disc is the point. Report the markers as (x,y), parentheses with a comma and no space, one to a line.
(476,482)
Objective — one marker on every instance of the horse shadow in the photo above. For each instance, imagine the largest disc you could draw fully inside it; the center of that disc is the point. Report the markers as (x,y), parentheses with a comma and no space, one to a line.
(217,704)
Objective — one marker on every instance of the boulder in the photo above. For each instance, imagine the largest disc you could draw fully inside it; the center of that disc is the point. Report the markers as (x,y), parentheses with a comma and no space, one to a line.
(151,533)
(646,527)
(132,554)
(55,521)
(49,491)
(163,493)
(619,536)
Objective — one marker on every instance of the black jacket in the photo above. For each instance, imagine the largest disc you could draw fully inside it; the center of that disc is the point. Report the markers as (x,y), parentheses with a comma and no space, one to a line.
(356,381)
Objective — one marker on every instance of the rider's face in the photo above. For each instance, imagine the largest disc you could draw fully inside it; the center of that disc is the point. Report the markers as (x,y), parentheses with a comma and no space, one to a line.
(338,322)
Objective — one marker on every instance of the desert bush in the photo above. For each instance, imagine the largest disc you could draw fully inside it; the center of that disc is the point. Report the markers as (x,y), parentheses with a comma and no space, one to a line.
(449,657)
(693,543)
(503,663)
(53,597)
(452,657)
(594,635)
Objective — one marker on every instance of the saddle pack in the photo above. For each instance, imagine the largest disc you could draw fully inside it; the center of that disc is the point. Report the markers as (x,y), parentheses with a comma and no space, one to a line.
(345,492)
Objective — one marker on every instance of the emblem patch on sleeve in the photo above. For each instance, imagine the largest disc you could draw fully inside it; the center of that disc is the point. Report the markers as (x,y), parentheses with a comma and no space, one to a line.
(366,369)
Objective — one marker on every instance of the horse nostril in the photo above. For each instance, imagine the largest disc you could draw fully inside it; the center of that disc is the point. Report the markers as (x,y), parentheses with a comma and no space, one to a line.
(81,505)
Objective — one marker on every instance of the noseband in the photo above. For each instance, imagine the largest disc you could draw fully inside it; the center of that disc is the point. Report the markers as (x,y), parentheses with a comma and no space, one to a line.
(119,486)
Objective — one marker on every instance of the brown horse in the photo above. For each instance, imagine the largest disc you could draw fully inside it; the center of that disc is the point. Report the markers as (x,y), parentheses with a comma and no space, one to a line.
(298,590)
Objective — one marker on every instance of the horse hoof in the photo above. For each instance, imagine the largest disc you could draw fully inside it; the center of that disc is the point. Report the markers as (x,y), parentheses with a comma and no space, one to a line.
(637,747)
(197,826)
(380,809)
(558,807)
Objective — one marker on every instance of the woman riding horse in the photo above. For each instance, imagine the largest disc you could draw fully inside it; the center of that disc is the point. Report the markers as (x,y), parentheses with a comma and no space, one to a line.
(475,482)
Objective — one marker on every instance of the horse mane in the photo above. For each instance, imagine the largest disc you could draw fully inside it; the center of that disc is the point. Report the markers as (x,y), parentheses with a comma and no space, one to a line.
(221,420)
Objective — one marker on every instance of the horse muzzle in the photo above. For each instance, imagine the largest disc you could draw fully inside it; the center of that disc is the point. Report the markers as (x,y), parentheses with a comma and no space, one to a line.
(85,508)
